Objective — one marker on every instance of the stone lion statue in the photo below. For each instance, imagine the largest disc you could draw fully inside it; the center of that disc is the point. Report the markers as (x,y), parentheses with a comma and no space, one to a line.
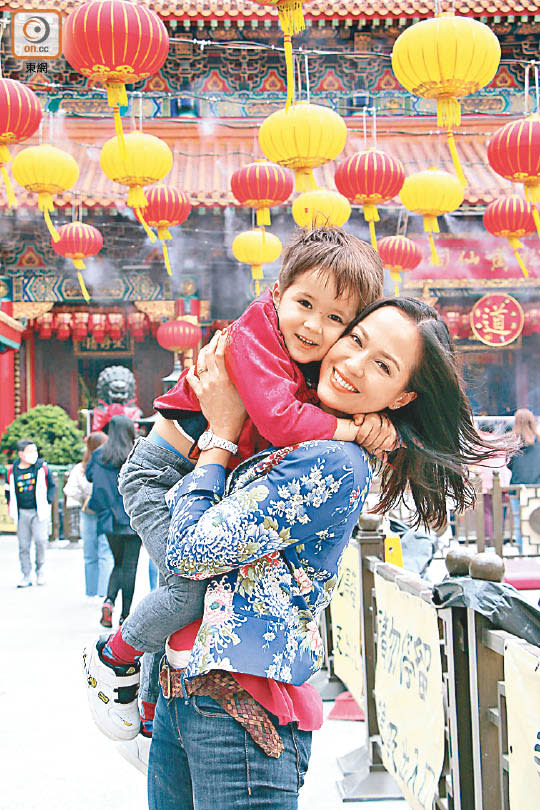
(116,395)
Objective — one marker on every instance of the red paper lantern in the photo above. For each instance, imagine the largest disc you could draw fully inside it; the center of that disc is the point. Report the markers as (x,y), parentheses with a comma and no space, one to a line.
(262,185)
(166,207)
(79,329)
(511,218)
(399,255)
(62,324)
(369,178)
(98,326)
(514,153)
(137,326)
(44,325)
(178,336)
(20,117)
(115,325)
(78,241)
(115,43)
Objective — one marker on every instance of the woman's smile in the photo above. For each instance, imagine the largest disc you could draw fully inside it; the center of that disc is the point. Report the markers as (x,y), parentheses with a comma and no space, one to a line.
(341,383)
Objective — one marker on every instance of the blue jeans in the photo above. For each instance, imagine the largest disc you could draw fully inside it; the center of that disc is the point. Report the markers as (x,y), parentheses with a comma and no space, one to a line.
(152,574)
(200,758)
(98,558)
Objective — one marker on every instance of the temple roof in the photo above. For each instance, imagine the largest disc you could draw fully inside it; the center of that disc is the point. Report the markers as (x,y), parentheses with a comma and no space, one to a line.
(313,9)
(207,151)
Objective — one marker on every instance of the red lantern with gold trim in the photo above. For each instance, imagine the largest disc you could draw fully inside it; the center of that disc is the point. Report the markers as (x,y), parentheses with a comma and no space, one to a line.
(98,326)
(178,335)
(166,206)
(369,178)
(20,117)
(137,325)
(80,325)
(115,325)
(77,242)
(262,185)
(115,43)
(399,255)
(511,218)
(514,153)
(62,324)
(44,325)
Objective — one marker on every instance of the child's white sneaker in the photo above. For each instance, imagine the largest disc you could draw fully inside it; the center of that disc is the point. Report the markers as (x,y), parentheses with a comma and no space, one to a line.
(112,693)
(136,752)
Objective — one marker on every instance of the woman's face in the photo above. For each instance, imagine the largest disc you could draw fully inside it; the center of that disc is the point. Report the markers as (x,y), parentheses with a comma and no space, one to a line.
(369,369)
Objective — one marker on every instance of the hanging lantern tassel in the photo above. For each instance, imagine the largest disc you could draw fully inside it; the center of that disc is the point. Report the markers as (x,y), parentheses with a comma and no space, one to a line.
(515,244)
(80,265)
(164,235)
(532,192)
(291,17)
(455,159)
(431,226)
(536,215)
(117,97)
(5,157)
(263,217)
(304,180)
(45,204)
(396,278)
(257,274)
(371,215)
(137,200)
(287,47)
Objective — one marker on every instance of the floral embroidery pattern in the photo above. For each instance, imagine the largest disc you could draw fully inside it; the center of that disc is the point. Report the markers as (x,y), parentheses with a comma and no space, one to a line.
(270,549)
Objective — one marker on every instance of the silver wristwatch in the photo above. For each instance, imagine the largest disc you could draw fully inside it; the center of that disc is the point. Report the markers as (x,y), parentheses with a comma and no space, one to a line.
(207,440)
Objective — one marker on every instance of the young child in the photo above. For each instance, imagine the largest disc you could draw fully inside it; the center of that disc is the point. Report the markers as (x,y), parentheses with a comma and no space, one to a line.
(273,354)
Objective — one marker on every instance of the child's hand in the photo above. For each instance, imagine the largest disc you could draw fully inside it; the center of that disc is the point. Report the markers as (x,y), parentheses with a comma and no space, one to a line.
(376,434)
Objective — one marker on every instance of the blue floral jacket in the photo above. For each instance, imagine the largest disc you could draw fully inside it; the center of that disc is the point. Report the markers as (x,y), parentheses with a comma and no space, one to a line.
(271,540)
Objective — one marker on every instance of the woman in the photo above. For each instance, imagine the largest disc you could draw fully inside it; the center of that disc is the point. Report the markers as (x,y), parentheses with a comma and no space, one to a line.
(235,727)
(102,471)
(98,559)
(525,468)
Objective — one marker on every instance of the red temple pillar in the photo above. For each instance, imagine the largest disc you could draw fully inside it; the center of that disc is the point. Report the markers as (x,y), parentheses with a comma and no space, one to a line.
(7,400)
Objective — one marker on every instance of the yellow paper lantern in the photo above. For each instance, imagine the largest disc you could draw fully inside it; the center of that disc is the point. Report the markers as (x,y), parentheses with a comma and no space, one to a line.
(301,138)
(145,160)
(256,247)
(446,58)
(432,193)
(45,170)
(321,208)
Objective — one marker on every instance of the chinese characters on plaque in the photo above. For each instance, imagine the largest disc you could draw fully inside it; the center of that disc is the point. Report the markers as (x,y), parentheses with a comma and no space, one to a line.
(497,319)
(346,630)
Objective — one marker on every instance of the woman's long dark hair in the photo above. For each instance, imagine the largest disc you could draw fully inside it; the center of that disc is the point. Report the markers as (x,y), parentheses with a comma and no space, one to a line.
(437,427)
(121,438)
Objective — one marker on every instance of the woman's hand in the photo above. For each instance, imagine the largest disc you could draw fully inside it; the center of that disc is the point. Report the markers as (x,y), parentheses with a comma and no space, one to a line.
(376,433)
(218,398)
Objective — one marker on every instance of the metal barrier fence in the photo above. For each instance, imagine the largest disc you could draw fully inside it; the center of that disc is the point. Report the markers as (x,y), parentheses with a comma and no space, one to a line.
(467,665)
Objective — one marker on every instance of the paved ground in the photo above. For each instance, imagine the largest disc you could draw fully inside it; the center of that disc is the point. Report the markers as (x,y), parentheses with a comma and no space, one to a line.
(52,755)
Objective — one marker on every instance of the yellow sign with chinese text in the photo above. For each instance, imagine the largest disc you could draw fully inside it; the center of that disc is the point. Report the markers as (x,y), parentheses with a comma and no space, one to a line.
(409,692)
(345,611)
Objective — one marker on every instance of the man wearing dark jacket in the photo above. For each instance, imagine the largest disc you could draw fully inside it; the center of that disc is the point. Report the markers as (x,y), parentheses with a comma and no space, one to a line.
(30,493)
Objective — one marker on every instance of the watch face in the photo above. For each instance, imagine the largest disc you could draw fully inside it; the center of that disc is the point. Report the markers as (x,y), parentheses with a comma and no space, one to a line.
(205,441)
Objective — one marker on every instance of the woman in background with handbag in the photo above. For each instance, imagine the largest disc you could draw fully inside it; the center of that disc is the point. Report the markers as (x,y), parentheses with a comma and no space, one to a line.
(98,558)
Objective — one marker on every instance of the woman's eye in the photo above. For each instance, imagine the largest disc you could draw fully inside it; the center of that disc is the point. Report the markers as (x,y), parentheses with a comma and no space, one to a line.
(336,318)
(356,339)
(383,367)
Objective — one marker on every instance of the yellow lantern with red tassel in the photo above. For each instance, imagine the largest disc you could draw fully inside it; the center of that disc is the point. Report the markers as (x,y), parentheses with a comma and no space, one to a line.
(511,218)
(20,117)
(45,170)
(166,206)
(77,242)
(514,153)
(302,138)
(431,194)
(399,255)
(256,247)
(262,185)
(115,43)
(321,208)
(369,178)
(145,160)
(445,58)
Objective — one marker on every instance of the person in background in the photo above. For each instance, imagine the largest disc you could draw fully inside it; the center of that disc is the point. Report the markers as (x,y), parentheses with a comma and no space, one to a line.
(102,471)
(525,468)
(98,558)
(30,492)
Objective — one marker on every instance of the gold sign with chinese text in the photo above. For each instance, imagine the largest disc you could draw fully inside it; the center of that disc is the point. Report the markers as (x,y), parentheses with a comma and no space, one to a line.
(345,610)
(497,319)
(105,348)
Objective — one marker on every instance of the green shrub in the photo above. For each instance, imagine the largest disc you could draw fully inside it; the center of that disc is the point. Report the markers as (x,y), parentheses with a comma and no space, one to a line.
(58,439)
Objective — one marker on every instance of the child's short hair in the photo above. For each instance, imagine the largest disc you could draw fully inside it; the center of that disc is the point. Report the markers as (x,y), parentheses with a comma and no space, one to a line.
(354,265)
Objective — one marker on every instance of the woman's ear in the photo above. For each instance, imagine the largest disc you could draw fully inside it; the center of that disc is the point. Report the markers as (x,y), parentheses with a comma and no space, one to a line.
(403,399)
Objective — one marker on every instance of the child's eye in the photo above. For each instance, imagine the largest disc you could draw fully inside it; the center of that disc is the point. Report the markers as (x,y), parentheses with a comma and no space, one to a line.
(336,318)
(304,303)
(383,367)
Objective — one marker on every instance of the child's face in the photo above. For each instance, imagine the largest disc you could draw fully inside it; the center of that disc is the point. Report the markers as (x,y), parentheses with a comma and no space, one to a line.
(311,316)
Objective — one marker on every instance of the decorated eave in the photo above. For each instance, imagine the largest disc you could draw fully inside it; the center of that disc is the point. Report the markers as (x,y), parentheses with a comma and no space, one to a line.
(206,155)
(316,10)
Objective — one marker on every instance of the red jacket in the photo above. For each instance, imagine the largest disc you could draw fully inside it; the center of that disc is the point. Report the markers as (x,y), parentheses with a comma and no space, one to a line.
(272,387)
